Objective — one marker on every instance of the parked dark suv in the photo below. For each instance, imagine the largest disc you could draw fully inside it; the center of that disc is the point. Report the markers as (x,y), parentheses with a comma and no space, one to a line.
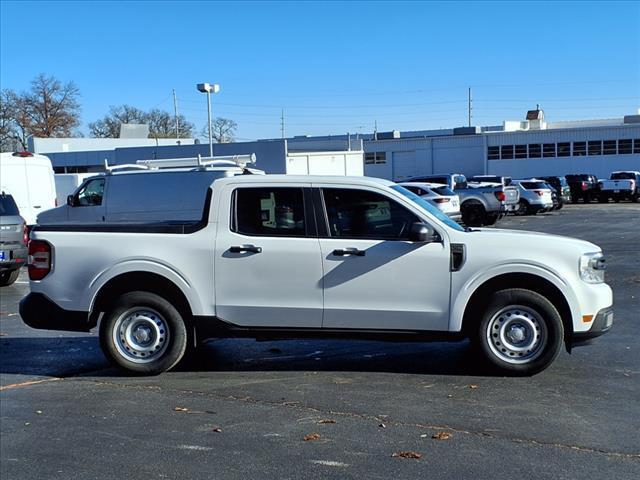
(13,240)
(563,191)
(583,186)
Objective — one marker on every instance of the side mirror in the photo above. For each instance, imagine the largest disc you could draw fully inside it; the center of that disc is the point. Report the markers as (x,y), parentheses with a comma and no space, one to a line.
(422,233)
(70,200)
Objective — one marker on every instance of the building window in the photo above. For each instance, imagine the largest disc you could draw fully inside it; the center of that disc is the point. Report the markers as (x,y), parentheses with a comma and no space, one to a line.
(493,153)
(609,147)
(636,145)
(535,150)
(579,149)
(564,149)
(521,151)
(549,150)
(625,146)
(506,152)
(375,158)
(595,147)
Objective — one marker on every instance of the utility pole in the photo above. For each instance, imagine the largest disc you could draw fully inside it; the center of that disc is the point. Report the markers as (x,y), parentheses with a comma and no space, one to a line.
(175,113)
(375,130)
(282,123)
(470,106)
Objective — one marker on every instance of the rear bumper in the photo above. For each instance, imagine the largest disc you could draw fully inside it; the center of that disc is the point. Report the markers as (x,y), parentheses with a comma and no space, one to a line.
(14,257)
(38,311)
(601,325)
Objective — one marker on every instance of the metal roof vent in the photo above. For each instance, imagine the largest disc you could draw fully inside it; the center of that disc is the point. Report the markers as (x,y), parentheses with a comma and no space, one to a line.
(535,118)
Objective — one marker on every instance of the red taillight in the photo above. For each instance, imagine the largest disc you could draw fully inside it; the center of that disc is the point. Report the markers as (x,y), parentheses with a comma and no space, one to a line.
(39,259)
(441,200)
(539,192)
(583,185)
(25,234)
(501,196)
(23,154)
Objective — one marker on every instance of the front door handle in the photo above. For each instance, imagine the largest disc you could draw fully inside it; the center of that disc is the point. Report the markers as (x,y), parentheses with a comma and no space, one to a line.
(339,252)
(245,248)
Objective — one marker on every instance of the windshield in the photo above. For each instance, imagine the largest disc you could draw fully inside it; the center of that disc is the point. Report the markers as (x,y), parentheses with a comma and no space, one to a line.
(533,185)
(622,176)
(428,207)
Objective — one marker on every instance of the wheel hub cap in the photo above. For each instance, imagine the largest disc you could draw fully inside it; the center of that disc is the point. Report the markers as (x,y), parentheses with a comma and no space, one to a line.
(517,334)
(140,335)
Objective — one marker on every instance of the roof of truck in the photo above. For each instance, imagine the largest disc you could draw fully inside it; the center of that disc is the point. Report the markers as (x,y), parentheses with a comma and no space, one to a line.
(279,178)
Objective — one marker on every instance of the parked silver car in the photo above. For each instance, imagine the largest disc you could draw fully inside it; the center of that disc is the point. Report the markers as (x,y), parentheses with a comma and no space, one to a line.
(13,240)
(535,196)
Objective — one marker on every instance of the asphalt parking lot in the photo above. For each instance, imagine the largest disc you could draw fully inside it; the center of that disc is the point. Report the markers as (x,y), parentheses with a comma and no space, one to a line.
(244,408)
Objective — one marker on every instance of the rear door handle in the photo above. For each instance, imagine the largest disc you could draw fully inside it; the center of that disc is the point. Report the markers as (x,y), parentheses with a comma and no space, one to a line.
(245,248)
(349,251)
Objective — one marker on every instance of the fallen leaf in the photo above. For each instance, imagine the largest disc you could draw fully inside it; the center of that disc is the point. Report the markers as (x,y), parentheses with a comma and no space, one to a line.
(424,435)
(181,409)
(39,412)
(311,436)
(217,430)
(449,396)
(327,420)
(407,455)
(473,387)
(382,425)
(442,436)
(27,424)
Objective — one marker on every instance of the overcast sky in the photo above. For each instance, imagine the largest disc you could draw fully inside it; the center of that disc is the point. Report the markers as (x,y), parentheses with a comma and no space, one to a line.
(333,67)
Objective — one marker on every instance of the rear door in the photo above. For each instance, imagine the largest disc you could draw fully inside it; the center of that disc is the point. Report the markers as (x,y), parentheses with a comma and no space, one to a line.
(374,277)
(268,270)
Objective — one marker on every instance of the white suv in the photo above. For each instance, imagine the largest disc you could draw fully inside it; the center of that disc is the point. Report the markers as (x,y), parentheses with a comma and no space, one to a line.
(278,256)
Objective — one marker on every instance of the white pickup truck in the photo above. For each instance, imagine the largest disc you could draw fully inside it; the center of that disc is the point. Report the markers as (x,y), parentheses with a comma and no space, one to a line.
(285,257)
(620,186)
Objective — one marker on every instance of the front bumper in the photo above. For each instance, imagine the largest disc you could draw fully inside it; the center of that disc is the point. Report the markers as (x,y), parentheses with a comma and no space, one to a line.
(601,325)
(38,311)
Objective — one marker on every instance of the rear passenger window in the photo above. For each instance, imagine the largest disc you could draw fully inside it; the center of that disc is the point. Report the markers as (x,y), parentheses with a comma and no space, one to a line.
(366,215)
(272,212)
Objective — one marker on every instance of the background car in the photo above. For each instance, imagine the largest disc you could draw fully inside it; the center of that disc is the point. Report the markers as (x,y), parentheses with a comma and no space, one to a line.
(561,187)
(583,186)
(441,196)
(13,240)
(535,196)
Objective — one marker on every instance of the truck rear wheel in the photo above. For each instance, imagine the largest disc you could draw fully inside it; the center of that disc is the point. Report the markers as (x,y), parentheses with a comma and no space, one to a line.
(473,214)
(520,332)
(143,333)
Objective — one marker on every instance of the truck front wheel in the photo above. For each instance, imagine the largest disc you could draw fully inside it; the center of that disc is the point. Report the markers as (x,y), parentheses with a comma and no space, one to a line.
(520,332)
(143,333)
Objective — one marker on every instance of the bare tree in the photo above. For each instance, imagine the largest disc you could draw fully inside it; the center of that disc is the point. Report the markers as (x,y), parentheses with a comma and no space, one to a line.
(161,123)
(8,129)
(223,130)
(109,125)
(49,108)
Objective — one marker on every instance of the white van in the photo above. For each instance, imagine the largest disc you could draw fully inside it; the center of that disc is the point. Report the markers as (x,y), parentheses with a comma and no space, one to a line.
(146,194)
(68,183)
(29,179)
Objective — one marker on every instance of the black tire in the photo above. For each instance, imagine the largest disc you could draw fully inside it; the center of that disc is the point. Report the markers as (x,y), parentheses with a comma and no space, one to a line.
(143,333)
(520,332)
(560,205)
(473,214)
(491,219)
(523,208)
(603,199)
(8,277)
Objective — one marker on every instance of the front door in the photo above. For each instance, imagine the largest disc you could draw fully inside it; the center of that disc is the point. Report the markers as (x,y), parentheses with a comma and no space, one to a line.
(268,270)
(374,277)
(88,203)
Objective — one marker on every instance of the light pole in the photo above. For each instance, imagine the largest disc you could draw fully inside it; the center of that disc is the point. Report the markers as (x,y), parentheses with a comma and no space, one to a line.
(208,88)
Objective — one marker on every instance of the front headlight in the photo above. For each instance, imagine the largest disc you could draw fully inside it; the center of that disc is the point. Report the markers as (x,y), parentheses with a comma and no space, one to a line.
(592,267)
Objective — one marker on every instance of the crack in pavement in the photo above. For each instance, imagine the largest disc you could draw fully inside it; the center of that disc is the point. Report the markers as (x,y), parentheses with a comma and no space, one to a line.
(365,416)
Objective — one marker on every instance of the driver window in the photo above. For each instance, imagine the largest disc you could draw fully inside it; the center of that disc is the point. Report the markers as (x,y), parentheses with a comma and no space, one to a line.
(91,194)
(367,215)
